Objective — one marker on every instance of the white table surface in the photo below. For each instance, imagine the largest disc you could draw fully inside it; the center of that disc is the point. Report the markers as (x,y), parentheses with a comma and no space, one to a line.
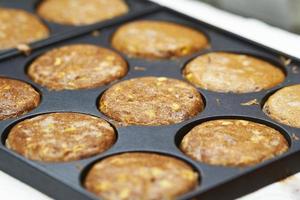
(11,188)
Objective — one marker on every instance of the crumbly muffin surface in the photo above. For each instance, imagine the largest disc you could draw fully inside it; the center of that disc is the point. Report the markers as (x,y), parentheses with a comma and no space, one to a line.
(61,137)
(16,98)
(19,27)
(228,72)
(284,106)
(231,142)
(77,66)
(140,176)
(81,12)
(151,101)
(154,39)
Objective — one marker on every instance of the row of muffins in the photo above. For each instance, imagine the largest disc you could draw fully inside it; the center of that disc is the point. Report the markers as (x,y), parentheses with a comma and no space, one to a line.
(153,39)
(20,27)
(62,137)
(69,136)
(148,101)
(79,66)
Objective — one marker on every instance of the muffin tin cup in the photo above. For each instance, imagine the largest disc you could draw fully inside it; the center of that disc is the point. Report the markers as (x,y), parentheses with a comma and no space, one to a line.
(65,180)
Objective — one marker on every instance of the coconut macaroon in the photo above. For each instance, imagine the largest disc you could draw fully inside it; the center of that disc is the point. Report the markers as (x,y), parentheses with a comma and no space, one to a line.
(16,98)
(151,101)
(284,106)
(135,176)
(61,137)
(80,12)
(229,72)
(77,66)
(156,39)
(19,27)
(233,142)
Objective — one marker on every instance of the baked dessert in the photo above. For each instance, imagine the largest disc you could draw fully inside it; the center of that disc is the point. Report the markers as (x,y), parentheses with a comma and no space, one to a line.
(77,66)
(19,27)
(151,101)
(16,98)
(233,142)
(284,106)
(61,137)
(80,12)
(135,176)
(229,72)
(157,39)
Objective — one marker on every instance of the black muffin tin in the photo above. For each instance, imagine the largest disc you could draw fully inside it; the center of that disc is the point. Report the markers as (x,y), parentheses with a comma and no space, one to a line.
(64,180)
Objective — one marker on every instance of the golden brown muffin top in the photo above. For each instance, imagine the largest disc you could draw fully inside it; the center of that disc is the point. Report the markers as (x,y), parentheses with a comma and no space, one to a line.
(284,106)
(77,67)
(156,39)
(232,142)
(229,72)
(140,176)
(151,101)
(19,27)
(81,12)
(16,98)
(61,137)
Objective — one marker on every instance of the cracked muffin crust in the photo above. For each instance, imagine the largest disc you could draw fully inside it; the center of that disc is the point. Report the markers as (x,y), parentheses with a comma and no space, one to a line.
(156,39)
(19,27)
(77,66)
(16,98)
(140,176)
(81,12)
(284,106)
(61,137)
(229,72)
(151,101)
(233,142)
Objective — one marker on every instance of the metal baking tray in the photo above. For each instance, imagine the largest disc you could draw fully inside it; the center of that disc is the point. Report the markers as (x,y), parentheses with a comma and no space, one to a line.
(59,31)
(64,180)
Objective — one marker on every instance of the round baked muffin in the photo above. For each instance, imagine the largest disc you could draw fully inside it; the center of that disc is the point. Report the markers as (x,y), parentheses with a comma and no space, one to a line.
(138,176)
(232,142)
(16,98)
(229,72)
(284,106)
(154,39)
(77,67)
(19,27)
(81,12)
(151,101)
(61,137)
